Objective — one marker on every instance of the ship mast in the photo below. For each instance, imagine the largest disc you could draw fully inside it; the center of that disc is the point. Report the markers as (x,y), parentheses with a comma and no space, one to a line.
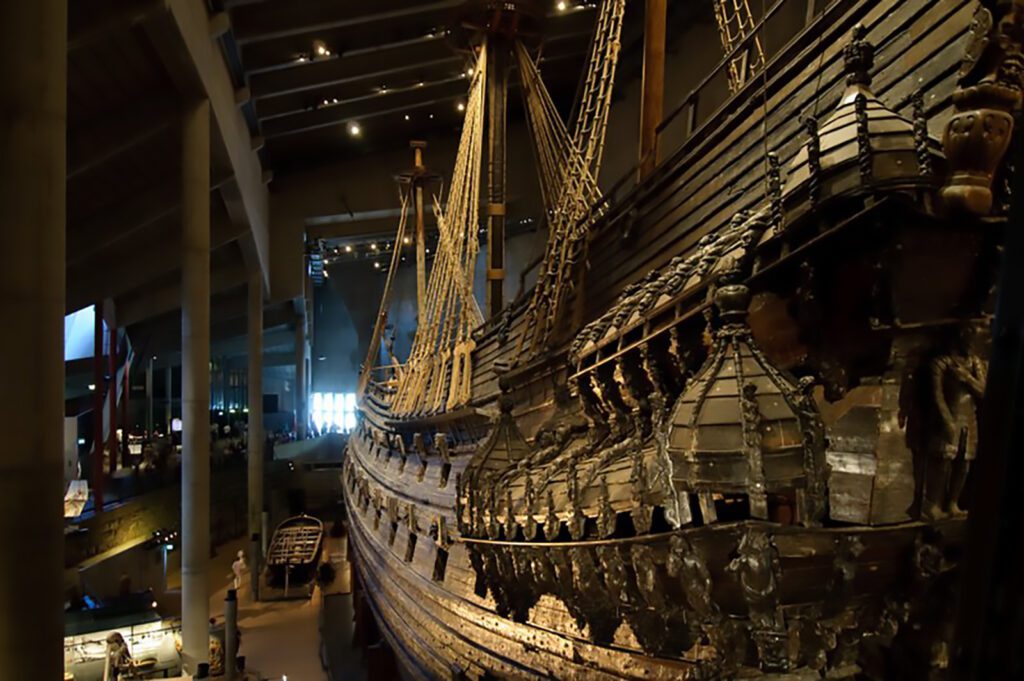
(497,114)
(498,25)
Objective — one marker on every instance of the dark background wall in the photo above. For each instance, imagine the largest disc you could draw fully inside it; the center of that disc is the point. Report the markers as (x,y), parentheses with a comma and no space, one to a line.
(347,304)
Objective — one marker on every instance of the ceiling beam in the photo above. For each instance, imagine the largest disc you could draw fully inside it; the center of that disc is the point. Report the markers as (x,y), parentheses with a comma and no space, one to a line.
(89,238)
(272,21)
(82,34)
(141,259)
(93,144)
(197,66)
(160,299)
(260,68)
(365,108)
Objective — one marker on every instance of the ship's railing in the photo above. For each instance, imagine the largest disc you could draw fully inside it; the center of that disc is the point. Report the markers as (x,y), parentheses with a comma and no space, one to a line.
(689,107)
(619,197)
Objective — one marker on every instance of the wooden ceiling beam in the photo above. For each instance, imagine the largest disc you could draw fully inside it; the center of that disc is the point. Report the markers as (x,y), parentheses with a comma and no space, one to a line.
(272,21)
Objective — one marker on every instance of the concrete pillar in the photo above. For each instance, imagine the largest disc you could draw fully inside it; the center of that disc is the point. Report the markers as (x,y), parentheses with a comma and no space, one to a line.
(230,634)
(195,384)
(33,83)
(301,417)
(169,397)
(255,438)
(112,397)
(149,397)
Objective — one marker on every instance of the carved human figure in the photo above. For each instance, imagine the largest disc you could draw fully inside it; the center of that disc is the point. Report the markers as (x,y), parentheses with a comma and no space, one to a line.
(957,385)
(686,564)
(756,566)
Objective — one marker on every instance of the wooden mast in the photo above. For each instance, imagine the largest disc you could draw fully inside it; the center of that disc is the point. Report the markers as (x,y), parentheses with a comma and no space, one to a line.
(421,236)
(652,101)
(497,96)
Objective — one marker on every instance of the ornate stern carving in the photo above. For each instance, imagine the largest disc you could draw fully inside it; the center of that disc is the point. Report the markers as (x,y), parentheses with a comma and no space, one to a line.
(989,93)
(605,513)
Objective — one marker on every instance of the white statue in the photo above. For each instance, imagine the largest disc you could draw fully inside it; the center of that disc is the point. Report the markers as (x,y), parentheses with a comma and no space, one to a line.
(237,568)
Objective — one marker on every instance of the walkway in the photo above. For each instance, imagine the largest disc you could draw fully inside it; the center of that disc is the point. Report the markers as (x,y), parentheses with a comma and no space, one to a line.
(282,639)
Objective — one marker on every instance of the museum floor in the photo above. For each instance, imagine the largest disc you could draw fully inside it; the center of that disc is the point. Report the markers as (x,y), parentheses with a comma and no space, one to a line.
(282,639)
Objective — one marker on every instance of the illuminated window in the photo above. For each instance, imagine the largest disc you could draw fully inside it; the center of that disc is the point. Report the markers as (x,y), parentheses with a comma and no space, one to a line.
(334,412)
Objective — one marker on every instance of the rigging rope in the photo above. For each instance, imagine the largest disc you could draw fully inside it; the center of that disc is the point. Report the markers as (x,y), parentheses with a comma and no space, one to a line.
(373,352)
(568,169)
(735,23)
(437,374)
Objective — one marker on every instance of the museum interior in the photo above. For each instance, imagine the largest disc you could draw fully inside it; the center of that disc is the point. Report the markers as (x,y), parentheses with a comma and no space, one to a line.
(512,339)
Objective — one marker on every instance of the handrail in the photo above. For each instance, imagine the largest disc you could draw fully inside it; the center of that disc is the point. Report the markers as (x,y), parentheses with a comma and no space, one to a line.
(726,60)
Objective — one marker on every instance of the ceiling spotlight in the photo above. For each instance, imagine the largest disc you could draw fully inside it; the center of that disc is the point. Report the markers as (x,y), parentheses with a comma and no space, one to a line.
(383,89)
(469,71)
(334,101)
(406,116)
(420,84)
(354,130)
(373,247)
(348,249)
(302,58)
(92,386)
(461,106)
(376,265)
(406,240)
(431,116)
(562,6)
(326,102)
(320,48)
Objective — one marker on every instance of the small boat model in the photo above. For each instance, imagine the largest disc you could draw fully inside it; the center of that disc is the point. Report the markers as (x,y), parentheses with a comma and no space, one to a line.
(294,551)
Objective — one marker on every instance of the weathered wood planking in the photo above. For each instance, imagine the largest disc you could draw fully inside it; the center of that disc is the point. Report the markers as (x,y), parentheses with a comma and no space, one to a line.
(919,46)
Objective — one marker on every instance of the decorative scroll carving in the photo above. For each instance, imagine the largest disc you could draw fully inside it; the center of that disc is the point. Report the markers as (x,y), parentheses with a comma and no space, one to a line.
(864,158)
(756,567)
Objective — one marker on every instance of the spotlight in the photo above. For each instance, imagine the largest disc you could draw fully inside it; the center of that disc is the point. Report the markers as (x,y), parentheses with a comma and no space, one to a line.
(461,106)
(153,604)
(320,48)
(469,71)
(348,249)
(406,116)
(92,386)
(373,247)
(354,130)
(376,265)
(562,6)
(406,240)
(431,116)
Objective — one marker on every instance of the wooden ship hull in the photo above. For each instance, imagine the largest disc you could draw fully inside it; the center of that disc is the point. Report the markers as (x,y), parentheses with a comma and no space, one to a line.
(576,518)
(294,551)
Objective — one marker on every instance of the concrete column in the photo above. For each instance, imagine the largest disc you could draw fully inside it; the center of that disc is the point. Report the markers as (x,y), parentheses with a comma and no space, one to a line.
(230,634)
(169,396)
(33,83)
(255,438)
(195,384)
(112,397)
(301,418)
(149,397)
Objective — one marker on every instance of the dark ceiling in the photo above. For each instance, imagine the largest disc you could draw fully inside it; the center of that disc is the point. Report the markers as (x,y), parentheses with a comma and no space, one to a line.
(315,68)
